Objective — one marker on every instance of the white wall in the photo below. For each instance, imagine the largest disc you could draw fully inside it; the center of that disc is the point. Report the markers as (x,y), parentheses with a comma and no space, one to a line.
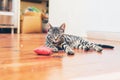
(86,15)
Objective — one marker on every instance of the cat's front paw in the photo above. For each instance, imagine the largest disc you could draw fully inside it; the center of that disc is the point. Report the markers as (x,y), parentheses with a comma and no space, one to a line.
(70,53)
(55,50)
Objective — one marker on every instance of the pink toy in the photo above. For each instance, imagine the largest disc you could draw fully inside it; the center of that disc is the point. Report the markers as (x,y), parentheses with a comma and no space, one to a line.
(43,50)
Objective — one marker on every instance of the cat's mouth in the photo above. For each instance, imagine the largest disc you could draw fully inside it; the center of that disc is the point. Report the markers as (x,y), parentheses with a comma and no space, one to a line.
(55,42)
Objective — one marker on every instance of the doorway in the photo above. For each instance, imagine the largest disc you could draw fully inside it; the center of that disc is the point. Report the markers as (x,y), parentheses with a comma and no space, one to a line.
(37,6)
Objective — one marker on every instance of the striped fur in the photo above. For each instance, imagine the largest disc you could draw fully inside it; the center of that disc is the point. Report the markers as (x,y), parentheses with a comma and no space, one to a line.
(56,39)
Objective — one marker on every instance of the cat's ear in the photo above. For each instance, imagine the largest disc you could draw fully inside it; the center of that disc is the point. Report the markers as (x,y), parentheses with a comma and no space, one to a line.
(63,26)
(49,26)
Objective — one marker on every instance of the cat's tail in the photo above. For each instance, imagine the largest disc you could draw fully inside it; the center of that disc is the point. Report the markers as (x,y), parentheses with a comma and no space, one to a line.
(105,46)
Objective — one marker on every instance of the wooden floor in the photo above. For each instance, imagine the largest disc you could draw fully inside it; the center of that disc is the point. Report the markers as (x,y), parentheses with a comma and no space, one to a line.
(19,62)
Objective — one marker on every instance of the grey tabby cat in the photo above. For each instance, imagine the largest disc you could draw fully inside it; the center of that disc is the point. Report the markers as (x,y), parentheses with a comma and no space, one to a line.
(56,39)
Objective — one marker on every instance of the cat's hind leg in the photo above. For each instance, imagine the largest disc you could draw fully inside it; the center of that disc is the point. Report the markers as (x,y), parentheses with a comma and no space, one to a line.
(86,45)
(86,48)
(83,45)
(96,47)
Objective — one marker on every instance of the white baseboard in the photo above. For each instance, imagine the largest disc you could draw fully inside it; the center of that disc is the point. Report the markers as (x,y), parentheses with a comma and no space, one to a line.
(107,76)
(104,35)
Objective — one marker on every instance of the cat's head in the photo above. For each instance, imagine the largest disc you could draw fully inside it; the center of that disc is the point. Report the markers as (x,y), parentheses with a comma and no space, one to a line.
(55,34)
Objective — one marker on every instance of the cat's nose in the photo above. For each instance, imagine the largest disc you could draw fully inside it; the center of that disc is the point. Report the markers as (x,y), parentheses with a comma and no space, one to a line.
(54,42)
(55,39)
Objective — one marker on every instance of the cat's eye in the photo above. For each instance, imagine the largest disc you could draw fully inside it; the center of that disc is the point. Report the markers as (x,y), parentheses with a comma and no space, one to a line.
(49,36)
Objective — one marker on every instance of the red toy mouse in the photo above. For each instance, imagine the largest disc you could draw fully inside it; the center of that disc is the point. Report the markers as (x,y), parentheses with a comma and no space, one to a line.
(43,50)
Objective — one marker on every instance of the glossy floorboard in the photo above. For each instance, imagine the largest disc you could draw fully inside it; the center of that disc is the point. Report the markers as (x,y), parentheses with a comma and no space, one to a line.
(19,62)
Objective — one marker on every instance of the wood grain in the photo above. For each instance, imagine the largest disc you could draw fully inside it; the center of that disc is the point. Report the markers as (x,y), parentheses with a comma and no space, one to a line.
(19,62)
